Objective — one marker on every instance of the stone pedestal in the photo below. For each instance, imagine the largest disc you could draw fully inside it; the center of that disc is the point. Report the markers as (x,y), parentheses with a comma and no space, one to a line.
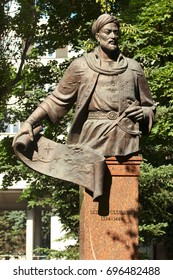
(109,228)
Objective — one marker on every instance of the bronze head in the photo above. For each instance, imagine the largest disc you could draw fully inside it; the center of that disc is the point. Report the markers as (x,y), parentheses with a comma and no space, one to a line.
(103,20)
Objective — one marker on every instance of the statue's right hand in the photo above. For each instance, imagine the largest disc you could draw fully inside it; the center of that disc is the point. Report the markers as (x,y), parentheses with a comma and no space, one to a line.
(25,129)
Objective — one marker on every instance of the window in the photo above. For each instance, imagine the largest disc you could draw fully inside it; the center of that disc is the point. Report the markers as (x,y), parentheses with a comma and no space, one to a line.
(12,128)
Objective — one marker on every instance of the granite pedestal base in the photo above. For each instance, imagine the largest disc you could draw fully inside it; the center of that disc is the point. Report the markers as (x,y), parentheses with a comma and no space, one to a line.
(109,227)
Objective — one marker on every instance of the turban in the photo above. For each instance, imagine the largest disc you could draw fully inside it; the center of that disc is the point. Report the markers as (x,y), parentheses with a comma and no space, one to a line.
(103,20)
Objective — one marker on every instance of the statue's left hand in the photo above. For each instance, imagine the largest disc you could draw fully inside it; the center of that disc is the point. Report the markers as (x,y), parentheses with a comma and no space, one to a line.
(135,113)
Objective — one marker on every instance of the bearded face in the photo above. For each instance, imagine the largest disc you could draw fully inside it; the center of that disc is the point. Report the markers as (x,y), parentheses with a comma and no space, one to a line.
(108,37)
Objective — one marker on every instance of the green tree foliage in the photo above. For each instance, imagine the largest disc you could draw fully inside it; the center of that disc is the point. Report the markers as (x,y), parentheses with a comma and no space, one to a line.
(156,196)
(12,232)
(146,35)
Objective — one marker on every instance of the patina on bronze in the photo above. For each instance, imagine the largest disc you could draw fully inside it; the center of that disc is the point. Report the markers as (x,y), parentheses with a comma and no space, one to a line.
(114,108)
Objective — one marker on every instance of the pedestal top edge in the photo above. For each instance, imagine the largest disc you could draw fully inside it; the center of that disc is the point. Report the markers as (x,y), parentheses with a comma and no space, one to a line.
(125,160)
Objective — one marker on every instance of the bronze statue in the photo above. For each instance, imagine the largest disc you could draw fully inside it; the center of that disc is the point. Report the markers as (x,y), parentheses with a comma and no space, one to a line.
(113,101)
